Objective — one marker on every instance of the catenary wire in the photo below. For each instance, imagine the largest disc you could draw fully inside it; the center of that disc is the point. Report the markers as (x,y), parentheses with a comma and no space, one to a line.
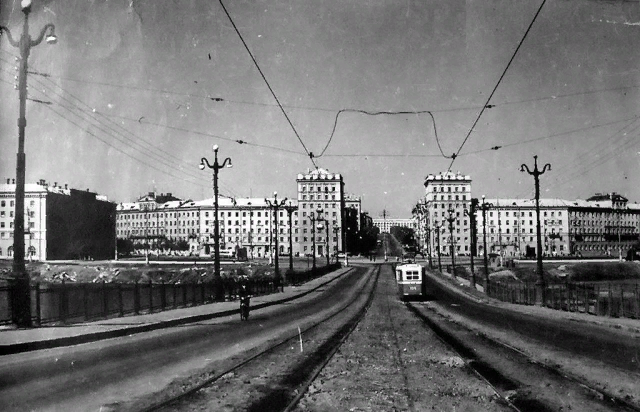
(70,110)
(561,134)
(484,107)
(369,113)
(268,85)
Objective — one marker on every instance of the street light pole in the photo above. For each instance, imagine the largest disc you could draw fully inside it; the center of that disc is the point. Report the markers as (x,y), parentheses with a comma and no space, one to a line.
(21,299)
(471,212)
(204,163)
(313,238)
(451,218)
(437,229)
(536,176)
(484,208)
(275,206)
(290,208)
(336,230)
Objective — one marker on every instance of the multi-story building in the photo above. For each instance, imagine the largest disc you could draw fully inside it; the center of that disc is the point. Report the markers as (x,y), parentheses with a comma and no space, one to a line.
(511,227)
(444,192)
(320,195)
(242,223)
(321,204)
(60,222)
(386,224)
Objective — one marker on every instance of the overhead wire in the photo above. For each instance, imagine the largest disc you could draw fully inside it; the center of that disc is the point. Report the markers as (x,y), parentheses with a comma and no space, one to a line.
(268,85)
(560,134)
(100,126)
(486,105)
(370,113)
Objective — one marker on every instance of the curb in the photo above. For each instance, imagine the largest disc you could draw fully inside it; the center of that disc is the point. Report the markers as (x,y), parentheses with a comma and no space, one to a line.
(15,348)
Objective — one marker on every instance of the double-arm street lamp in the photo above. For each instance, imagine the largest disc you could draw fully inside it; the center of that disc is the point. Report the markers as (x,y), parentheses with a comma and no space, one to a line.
(471,212)
(290,208)
(204,163)
(336,230)
(451,218)
(326,227)
(484,207)
(21,300)
(275,205)
(314,219)
(437,230)
(536,176)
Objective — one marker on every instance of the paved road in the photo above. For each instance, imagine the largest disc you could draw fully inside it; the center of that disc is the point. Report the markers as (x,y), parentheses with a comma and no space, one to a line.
(602,344)
(89,376)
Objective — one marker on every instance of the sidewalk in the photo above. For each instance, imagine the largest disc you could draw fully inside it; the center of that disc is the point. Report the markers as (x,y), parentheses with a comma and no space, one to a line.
(462,286)
(46,337)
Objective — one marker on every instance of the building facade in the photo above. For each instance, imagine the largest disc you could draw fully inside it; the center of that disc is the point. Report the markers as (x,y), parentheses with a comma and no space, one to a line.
(321,208)
(243,223)
(386,224)
(445,192)
(60,222)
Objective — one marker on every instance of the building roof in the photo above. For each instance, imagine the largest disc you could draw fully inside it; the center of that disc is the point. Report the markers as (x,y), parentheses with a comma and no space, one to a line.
(319,174)
(448,176)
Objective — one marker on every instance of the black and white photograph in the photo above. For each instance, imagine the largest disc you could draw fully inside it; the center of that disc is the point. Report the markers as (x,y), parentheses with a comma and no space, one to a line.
(320,205)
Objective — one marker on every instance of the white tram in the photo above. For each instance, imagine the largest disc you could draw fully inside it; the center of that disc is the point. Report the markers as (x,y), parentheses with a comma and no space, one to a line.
(410,281)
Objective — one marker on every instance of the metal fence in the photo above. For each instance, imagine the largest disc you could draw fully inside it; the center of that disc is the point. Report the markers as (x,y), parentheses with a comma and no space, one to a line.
(596,298)
(70,302)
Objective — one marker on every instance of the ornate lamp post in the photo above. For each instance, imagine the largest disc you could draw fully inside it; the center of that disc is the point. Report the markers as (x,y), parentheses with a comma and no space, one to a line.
(21,297)
(437,230)
(451,218)
(204,163)
(314,219)
(536,176)
(471,212)
(336,230)
(275,205)
(484,207)
(290,208)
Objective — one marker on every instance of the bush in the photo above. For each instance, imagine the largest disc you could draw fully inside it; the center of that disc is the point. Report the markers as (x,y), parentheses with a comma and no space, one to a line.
(597,271)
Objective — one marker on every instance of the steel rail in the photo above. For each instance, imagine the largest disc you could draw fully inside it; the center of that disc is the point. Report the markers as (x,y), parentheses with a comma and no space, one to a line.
(302,390)
(207,382)
(472,362)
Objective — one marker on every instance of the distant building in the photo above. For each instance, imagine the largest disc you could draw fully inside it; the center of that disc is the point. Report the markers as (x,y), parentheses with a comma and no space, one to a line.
(60,222)
(320,190)
(385,225)
(444,192)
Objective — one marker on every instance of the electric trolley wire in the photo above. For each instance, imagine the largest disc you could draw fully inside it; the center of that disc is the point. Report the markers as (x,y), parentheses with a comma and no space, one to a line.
(268,85)
(369,113)
(100,126)
(486,105)
(560,134)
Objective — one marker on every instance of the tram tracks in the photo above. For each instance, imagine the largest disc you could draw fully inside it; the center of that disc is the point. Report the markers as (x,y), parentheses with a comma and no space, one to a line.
(522,383)
(292,384)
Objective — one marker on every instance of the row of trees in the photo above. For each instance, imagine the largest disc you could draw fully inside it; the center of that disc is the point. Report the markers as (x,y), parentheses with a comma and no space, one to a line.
(127,247)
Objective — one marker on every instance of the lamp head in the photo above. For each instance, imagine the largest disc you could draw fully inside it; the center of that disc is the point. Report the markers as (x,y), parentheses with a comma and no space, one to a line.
(201,165)
(229,164)
(275,194)
(215,147)
(26,5)
(51,37)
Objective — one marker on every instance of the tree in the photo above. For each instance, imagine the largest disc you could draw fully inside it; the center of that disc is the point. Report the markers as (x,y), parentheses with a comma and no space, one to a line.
(404,235)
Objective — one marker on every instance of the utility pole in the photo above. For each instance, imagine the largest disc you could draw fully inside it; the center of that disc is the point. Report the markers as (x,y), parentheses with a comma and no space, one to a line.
(471,212)
(451,218)
(216,166)
(20,299)
(536,176)
(290,208)
(484,208)
(437,229)
(384,225)
(275,206)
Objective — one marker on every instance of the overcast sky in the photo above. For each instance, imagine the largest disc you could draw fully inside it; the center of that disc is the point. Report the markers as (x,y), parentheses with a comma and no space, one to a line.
(134,88)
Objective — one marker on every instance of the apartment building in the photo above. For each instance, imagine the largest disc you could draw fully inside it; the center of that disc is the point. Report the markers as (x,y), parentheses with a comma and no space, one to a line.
(60,222)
